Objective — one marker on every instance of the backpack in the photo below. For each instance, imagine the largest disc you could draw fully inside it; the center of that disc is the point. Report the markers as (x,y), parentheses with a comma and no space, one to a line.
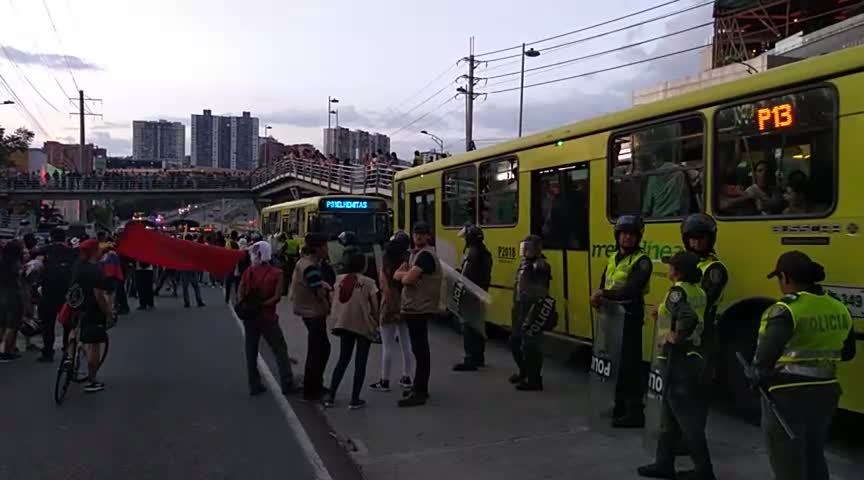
(57,272)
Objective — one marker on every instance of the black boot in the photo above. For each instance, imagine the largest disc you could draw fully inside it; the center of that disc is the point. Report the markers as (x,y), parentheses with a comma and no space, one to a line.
(655,470)
(694,475)
(530,385)
(516,378)
(632,419)
(466,366)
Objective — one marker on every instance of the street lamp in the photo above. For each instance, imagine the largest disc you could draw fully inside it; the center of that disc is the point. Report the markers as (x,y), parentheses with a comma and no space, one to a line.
(267,146)
(435,139)
(330,100)
(7,102)
(529,53)
(335,112)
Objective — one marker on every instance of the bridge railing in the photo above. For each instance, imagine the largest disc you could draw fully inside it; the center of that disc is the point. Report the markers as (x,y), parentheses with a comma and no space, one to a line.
(122,182)
(372,179)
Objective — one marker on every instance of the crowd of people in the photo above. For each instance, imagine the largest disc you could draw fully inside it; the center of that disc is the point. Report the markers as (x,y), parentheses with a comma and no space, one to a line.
(126,180)
(337,170)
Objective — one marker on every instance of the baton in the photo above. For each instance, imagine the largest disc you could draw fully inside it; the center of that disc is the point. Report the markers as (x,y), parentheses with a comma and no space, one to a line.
(748,372)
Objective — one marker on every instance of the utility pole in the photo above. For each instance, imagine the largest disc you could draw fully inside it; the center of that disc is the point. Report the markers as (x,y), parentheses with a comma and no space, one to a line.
(470,96)
(82,204)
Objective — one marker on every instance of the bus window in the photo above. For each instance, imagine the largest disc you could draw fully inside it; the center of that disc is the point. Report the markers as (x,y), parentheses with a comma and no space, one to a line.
(559,207)
(657,171)
(400,219)
(499,192)
(776,156)
(423,208)
(459,204)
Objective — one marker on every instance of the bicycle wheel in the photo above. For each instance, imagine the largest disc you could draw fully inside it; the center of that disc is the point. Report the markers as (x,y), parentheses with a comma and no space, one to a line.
(66,373)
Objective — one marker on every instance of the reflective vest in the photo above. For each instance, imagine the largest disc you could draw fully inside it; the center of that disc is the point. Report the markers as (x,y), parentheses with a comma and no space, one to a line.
(821,325)
(617,272)
(292,247)
(425,295)
(695,297)
(704,264)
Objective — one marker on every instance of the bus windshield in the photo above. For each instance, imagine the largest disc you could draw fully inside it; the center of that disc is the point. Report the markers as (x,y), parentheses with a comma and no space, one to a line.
(369,227)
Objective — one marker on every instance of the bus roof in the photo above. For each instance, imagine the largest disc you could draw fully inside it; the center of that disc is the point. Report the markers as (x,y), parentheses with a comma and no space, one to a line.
(825,66)
(305,202)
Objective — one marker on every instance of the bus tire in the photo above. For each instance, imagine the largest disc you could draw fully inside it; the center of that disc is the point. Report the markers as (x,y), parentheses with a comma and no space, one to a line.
(738,331)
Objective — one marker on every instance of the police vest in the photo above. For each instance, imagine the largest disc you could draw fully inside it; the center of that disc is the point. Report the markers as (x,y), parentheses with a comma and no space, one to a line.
(697,300)
(706,263)
(821,325)
(292,247)
(617,272)
(425,295)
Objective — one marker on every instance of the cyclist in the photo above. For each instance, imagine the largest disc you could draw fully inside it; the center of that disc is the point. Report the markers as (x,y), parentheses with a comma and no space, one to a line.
(95,310)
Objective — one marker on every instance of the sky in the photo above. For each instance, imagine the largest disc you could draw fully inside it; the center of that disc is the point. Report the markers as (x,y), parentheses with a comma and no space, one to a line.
(281,59)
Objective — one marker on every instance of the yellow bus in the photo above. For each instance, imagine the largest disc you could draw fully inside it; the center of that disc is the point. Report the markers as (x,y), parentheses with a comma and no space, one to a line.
(368,217)
(763,155)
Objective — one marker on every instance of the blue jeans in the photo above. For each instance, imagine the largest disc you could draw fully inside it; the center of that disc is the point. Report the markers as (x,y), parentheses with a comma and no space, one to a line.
(187,279)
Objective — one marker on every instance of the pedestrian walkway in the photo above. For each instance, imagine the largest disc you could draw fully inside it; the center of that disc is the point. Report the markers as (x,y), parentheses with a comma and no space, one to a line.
(176,406)
(477,427)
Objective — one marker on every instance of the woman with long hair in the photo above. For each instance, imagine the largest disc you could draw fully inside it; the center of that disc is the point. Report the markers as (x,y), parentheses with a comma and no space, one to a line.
(11,299)
(392,325)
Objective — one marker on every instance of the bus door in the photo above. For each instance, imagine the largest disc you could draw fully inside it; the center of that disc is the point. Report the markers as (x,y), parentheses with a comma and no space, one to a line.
(422,209)
(559,213)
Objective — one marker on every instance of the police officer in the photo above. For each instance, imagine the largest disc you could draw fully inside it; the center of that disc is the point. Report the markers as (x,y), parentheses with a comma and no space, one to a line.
(625,280)
(679,324)
(532,286)
(476,267)
(801,339)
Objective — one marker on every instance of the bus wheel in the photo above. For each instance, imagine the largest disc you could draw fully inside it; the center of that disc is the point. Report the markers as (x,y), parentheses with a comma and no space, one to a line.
(739,337)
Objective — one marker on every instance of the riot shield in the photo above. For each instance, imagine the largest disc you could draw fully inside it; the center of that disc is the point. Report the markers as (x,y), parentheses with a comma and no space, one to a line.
(605,362)
(656,379)
(465,300)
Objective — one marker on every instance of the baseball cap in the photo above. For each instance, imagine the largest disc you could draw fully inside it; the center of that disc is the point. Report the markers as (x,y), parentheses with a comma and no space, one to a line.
(421,227)
(685,262)
(795,262)
(314,240)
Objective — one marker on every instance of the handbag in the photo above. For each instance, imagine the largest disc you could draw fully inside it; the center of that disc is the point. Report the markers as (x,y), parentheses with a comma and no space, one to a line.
(247,309)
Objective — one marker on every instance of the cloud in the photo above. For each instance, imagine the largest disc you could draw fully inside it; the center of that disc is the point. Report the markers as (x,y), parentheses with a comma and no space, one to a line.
(117,147)
(52,61)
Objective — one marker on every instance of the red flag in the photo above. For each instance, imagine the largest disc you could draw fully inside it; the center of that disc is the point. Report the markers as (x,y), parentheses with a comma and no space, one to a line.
(152,247)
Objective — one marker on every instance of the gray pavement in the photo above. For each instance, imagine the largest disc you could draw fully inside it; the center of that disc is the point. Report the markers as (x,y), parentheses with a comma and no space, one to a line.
(176,407)
(476,426)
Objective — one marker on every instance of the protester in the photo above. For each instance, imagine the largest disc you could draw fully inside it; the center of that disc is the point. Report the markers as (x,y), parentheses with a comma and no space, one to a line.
(11,299)
(261,289)
(94,312)
(354,311)
(144,282)
(55,281)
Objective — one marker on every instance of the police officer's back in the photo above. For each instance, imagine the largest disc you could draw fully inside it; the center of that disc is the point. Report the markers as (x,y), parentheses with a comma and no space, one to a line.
(477,268)
(532,287)
(802,337)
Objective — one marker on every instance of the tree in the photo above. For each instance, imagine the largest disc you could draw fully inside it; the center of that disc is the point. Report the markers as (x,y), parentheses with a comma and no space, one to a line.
(17,142)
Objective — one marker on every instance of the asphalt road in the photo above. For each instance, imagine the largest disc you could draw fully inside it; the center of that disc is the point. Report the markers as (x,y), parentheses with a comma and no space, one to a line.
(176,406)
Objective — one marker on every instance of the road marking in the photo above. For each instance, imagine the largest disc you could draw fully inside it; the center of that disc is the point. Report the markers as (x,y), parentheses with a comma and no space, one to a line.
(320,471)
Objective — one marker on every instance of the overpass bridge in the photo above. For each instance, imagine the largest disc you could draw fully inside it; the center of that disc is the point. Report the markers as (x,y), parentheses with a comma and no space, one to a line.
(283,181)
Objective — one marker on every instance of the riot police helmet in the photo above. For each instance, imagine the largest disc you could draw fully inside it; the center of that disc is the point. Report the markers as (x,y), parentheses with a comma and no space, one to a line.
(631,224)
(347,238)
(471,233)
(531,246)
(699,225)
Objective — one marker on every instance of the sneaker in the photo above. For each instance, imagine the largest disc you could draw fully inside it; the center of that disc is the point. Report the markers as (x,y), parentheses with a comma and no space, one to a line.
(329,401)
(185,305)
(656,471)
(464,367)
(405,382)
(413,400)
(257,390)
(201,304)
(516,378)
(356,404)
(526,386)
(380,386)
(94,387)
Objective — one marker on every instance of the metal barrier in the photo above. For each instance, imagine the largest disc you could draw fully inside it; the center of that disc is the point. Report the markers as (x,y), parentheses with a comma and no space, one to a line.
(352,179)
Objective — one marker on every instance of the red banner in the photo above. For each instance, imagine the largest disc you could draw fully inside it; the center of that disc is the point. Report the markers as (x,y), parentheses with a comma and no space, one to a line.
(157,249)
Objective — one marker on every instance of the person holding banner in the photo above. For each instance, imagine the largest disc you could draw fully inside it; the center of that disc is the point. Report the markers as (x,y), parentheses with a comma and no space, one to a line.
(476,268)
(531,288)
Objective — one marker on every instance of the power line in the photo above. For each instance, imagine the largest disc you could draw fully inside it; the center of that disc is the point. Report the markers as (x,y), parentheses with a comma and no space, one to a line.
(23,108)
(423,116)
(617,67)
(605,52)
(607,22)
(610,32)
(62,49)
(26,78)
(423,88)
(430,97)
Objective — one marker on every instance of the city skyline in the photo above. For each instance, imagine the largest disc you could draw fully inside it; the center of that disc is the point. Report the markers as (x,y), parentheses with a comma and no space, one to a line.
(238,70)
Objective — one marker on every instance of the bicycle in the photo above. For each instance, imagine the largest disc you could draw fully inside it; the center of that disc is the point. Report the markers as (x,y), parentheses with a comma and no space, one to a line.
(70,365)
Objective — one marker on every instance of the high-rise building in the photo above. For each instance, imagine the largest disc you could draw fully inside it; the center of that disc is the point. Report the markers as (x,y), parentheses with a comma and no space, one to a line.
(224,142)
(355,145)
(160,141)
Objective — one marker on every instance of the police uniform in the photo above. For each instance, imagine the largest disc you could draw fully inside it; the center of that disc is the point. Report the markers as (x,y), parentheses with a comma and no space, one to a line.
(476,267)
(626,280)
(801,339)
(681,312)
(531,287)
